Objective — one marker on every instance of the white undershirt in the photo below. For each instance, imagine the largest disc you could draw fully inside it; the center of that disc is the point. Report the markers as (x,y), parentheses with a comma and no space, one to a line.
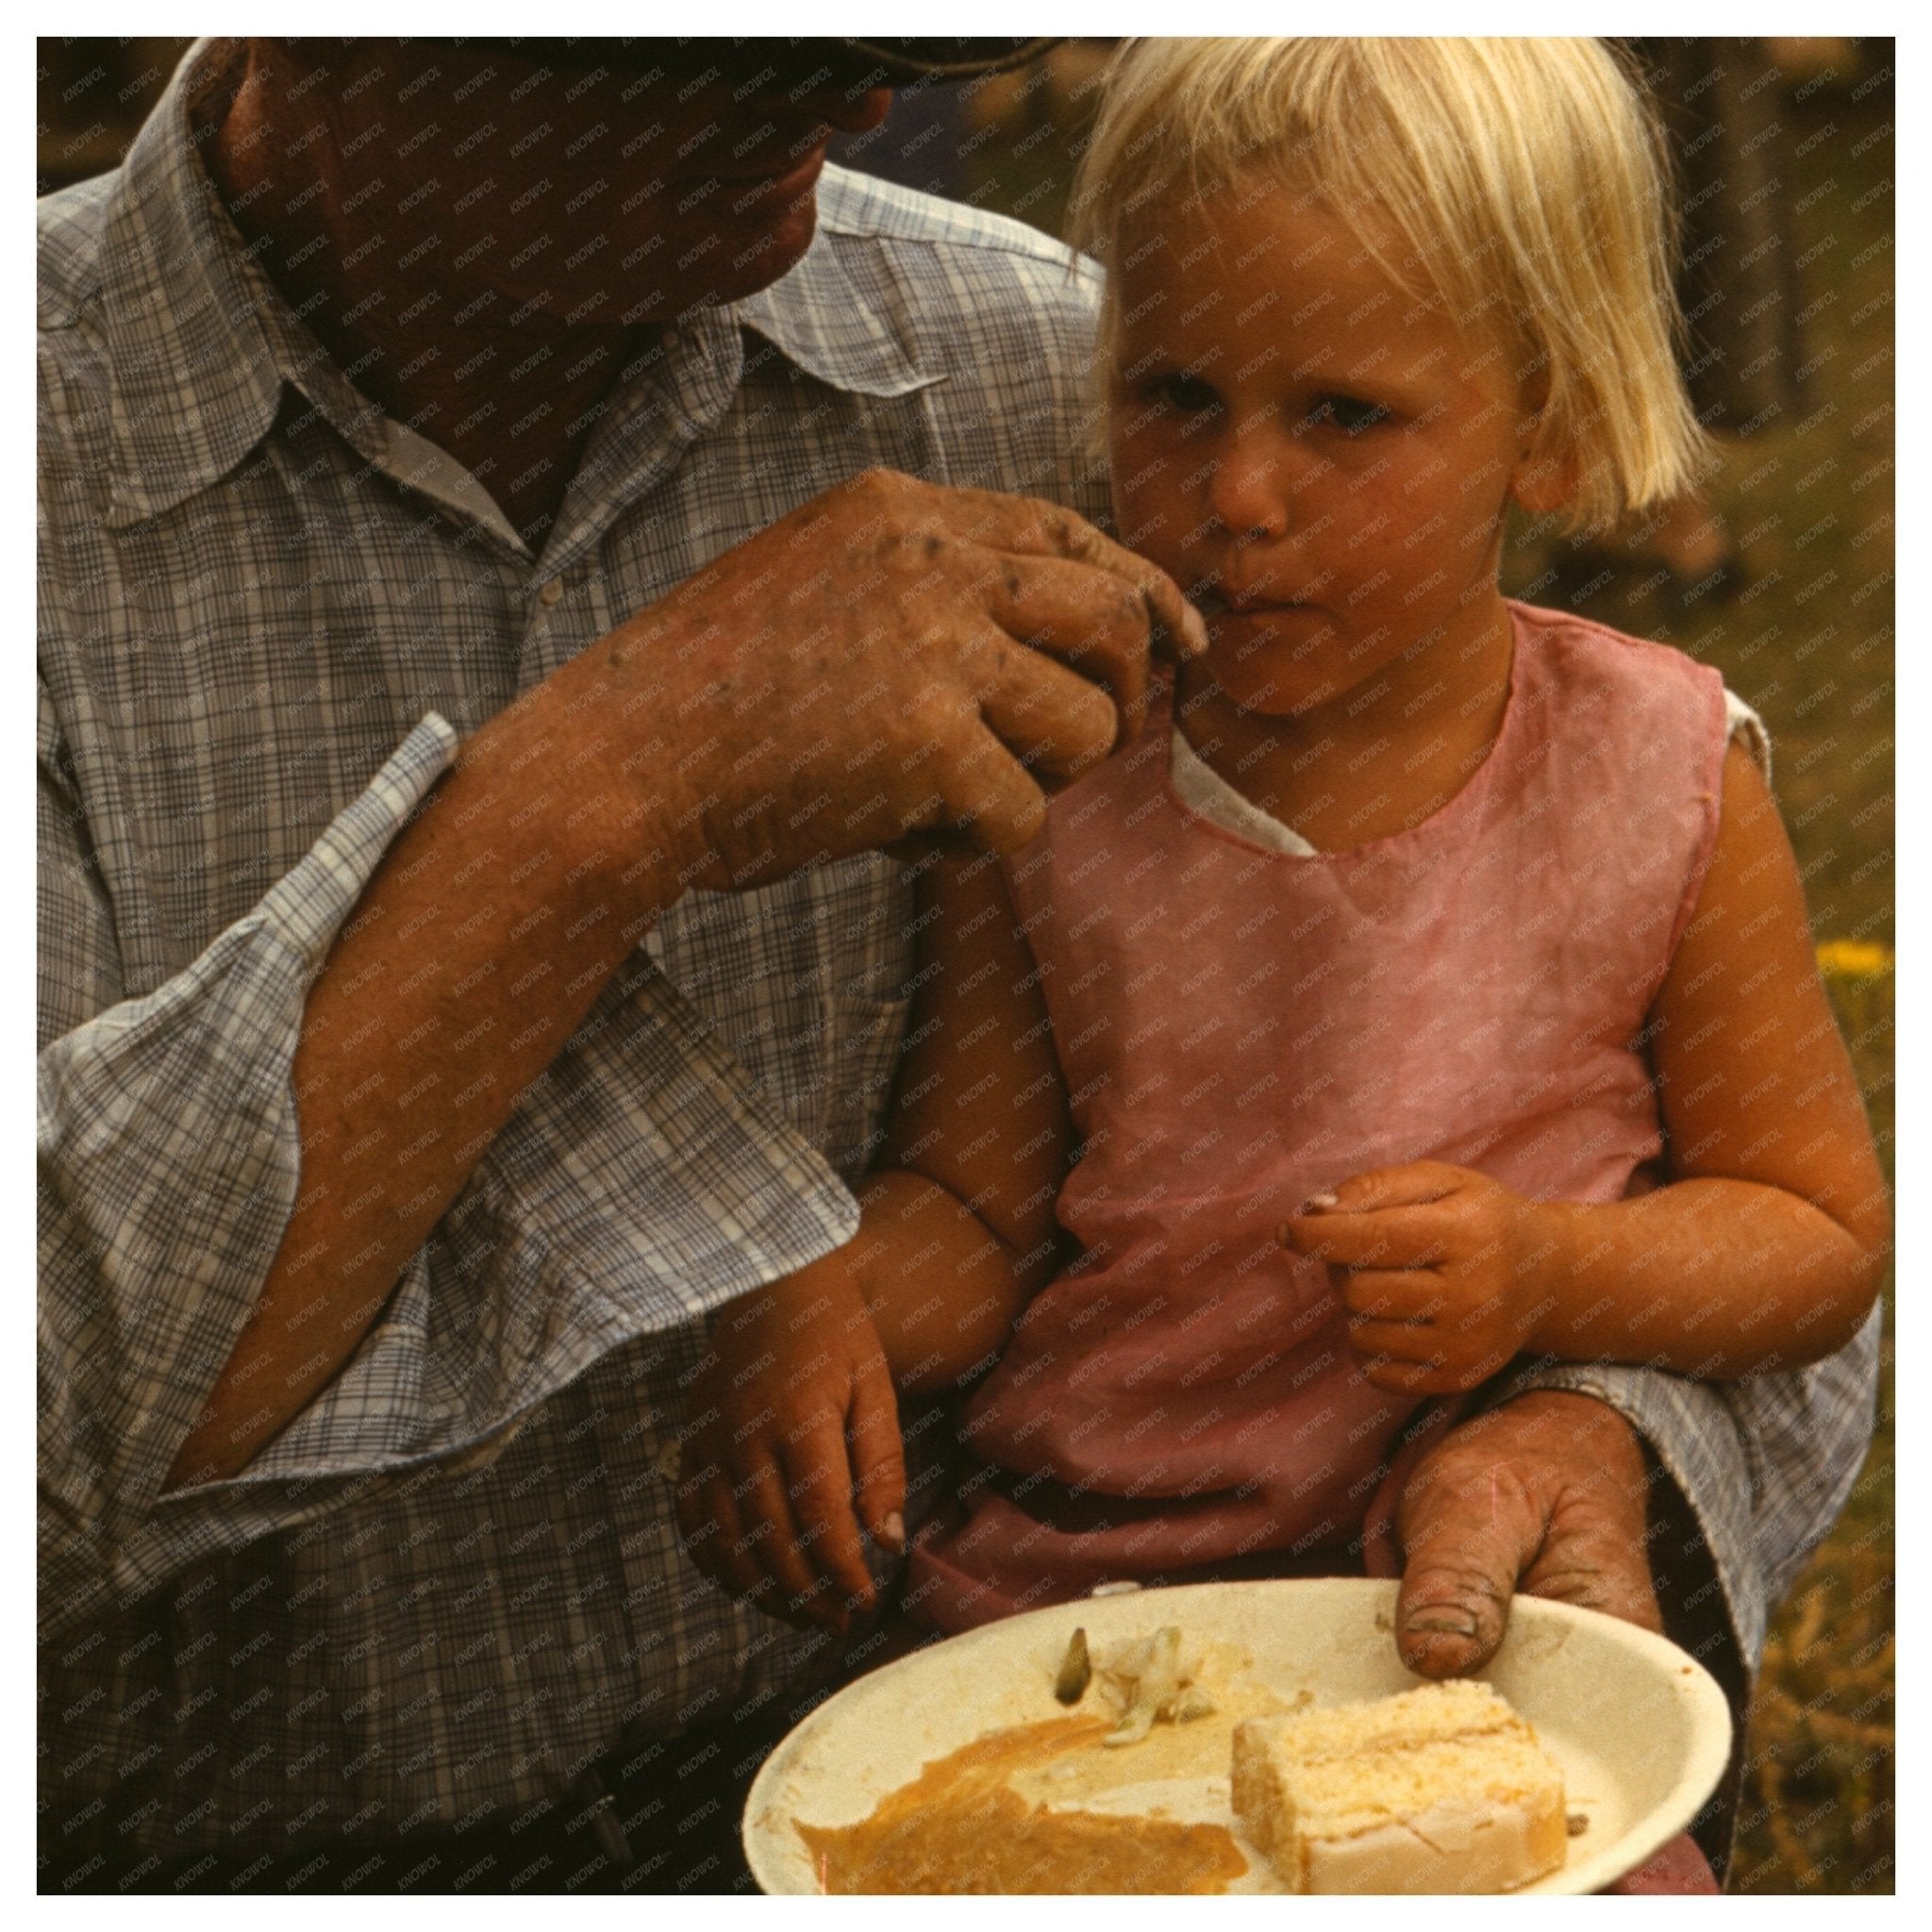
(1203,790)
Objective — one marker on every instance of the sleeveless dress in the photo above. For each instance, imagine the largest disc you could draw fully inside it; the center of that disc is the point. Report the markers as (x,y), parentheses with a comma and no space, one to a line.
(1240,1028)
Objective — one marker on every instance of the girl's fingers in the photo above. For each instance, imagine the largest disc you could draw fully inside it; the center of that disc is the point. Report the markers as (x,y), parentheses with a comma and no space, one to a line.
(1393,1294)
(1410,1237)
(1412,1184)
(1411,1378)
(708,1527)
(724,1552)
(1396,1342)
(1372,1201)
(879,1456)
(770,1550)
(821,1488)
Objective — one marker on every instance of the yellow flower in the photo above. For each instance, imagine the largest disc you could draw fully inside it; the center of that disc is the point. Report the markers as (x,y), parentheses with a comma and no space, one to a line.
(1854,959)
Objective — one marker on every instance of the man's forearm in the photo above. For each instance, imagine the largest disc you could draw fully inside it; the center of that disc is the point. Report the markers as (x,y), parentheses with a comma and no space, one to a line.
(493,922)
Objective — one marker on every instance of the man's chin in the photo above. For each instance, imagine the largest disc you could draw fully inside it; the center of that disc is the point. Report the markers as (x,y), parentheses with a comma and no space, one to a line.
(778,250)
(717,277)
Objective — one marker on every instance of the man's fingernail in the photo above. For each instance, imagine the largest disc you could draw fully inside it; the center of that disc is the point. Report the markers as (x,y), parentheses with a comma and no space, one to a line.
(1194,631)
(1319,1204)
(892,1531)
(1441,1623)
(1284,1234)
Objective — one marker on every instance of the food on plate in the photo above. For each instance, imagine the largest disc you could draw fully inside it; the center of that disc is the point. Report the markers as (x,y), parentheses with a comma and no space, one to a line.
(1442,1789)
(1076,1670)
(960,1828)
(1009,1812)
(1147,1679)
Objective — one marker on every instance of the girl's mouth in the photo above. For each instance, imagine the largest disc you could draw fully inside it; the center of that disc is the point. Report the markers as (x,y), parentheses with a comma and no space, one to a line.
(1211,601)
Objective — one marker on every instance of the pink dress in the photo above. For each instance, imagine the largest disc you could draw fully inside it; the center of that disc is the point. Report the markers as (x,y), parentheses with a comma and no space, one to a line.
(1240,1029)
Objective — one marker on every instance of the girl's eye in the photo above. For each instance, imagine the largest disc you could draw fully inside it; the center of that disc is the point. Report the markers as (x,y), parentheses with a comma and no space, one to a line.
(1187,394)
(1348,413)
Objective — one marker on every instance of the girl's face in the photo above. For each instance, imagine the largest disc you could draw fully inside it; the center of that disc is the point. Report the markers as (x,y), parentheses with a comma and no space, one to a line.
(1320,462)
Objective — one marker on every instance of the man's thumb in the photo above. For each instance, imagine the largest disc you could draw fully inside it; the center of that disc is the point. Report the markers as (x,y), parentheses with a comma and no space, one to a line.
(1464,1554)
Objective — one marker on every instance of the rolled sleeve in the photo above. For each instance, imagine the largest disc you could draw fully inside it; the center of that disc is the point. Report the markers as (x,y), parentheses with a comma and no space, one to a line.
(642,1181)
(1804,1437)
(169,1162)
(1765,1462)
(1696,1439)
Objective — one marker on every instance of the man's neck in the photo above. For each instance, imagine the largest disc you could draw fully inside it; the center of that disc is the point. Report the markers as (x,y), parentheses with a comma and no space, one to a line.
(508,388)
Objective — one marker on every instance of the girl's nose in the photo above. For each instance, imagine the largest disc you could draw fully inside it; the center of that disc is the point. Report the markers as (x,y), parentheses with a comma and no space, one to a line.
(1248,492)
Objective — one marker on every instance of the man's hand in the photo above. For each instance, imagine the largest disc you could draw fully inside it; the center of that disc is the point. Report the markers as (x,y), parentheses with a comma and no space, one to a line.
(893,659)
(792,1447)
(864,669)
(1547,1494)
(1436,1265)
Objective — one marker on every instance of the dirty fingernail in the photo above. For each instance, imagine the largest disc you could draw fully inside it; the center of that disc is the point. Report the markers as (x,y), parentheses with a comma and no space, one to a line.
(1443,1624)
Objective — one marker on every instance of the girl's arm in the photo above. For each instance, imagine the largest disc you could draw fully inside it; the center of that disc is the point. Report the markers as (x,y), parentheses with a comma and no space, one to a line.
(793,1439)
(1769,1245)
(958,1230)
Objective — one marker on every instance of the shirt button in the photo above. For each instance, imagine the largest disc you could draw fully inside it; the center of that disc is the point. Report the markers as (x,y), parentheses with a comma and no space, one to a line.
(552,592)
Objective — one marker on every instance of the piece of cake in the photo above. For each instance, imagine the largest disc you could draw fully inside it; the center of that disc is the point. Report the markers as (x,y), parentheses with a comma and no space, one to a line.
(1442,1789)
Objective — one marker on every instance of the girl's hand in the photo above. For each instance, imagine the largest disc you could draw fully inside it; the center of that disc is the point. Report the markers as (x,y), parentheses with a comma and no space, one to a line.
(791,1451)
(1436,1266)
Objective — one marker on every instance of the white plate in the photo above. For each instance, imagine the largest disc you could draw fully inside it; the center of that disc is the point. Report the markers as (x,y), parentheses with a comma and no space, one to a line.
(1641,1730)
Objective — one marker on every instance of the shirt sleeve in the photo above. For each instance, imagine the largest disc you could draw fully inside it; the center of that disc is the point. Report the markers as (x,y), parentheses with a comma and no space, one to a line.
(643,1181)
(168,1162)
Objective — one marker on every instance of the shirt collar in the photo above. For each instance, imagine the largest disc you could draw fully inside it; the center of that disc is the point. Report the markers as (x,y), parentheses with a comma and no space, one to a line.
(201,343)
(195,378)
(821,317)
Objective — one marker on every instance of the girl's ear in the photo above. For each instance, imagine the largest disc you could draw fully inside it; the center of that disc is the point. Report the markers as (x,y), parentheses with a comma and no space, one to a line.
(1541,483)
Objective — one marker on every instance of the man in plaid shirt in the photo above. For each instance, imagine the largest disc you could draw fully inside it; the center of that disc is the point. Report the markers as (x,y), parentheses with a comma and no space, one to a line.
(488,629)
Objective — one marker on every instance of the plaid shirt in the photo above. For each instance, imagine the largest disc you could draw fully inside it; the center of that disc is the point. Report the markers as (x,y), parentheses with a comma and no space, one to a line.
(268,614)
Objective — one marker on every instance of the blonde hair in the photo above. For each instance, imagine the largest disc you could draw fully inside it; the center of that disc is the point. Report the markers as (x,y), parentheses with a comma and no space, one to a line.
(1524,182)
